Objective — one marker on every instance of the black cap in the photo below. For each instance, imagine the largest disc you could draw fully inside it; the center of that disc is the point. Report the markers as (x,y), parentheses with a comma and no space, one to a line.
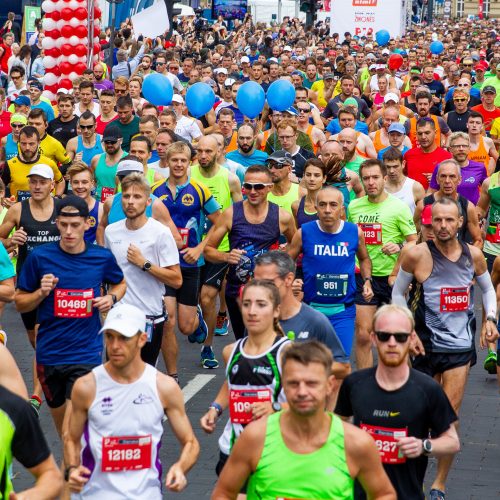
(112,133)
(281,156)
(489,88)
(73,202)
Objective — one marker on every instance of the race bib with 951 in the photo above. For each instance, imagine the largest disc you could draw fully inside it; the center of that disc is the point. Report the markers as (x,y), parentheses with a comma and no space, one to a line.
(386,439)
(73,303)
(454,299)
(241,401)
(372,233)
(126,453)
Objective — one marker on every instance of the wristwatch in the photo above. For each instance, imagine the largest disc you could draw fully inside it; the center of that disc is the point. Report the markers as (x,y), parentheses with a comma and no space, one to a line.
(147,266)
(276,406)
(427,447)
(68,470)
(370,279)
(491,318)
(113,297)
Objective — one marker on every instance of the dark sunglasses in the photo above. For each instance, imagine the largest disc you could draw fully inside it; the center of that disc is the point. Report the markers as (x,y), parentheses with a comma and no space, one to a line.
(86,127)
(110,142)
(303,110)
(17,125)
(258,186)
(277,165)
(400,338)
(459,100)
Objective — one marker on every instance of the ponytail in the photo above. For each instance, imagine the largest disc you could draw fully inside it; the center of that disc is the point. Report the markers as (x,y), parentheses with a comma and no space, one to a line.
(277,328)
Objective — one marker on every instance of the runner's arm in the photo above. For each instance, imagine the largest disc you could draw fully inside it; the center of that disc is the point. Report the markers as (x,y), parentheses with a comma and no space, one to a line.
(71,148)
(9,223)
(221,228)
(295,246)
(117,289)
(10,376)
(48,484)
(473,226)
(287,225)
(482,205)
(235,187)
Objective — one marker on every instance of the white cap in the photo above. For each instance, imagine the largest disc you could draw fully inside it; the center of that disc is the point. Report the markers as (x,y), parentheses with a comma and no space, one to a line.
(62,90)
(228,82)
(386,52)
(128,165)
(42,170)
(220,70)
(372,66)
(244,59)
(177,98)
(287,48)
(391,96)
(125,319)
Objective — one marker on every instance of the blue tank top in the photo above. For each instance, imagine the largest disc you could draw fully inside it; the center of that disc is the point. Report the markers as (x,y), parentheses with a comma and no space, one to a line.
(255,239)
(89,153)
(116,212)
(10,148)
(302,216)
(328,263)
(90,233)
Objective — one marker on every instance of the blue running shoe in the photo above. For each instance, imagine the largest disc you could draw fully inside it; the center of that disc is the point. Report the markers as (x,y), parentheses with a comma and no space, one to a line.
(200,334)
(208,358)
(222,325)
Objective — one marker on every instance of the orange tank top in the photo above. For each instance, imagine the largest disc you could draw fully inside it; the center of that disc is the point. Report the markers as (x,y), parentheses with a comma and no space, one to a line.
(309,133)
(360,153)
(233,143)
(480,154)
(377,141)
(413,132)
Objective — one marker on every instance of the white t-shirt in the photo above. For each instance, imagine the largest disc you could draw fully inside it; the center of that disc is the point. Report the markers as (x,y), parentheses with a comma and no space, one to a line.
(157,245)
(187,128)
(163,171)
(96,109)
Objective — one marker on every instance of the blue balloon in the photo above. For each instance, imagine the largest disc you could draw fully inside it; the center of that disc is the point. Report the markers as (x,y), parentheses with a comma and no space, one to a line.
(280,95)
(436,47)
(250,99)
(199,99)
(157,89)
(382,37)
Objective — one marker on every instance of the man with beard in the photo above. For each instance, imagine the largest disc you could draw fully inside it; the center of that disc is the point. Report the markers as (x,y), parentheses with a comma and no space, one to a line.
(226,189)
(247,154)
(387,402)
(348,139)
(100,81)
(63,128)
(442,272)
(284,191)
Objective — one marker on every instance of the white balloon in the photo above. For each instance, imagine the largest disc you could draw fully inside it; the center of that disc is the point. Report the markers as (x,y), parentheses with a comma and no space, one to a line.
(74,40)
(73,59)
(74,22)
(73,4)
(49,95)
(48,43)
(82,59)
(95,58)
(50,79)
(60,24)
(49,61)
(48,24)
(73,75)
(60,42)
(96,39)
(48,6)
(60,5)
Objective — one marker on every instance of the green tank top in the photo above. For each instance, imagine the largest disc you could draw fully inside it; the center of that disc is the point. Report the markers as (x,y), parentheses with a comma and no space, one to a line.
(219,187)
(105,175)
(491,243)
(285,201)
(282,473)
(7,431)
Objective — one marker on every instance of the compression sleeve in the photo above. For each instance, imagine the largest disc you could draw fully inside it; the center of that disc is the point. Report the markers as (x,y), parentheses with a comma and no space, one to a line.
(403,281)
(489,295)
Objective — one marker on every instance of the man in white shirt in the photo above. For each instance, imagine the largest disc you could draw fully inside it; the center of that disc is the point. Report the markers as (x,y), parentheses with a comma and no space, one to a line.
(186,127)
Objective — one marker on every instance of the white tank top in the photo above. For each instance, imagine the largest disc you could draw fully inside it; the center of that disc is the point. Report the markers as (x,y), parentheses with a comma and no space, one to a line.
(405,194)
(123,410)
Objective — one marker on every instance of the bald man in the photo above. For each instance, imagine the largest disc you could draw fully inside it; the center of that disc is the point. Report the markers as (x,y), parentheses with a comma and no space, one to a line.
(357,148)
(380,137)
(100,81)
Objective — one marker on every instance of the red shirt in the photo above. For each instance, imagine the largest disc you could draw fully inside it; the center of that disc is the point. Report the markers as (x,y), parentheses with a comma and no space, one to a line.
(5,127)
(419,163)
(7,52)
(488,116)
(100,125)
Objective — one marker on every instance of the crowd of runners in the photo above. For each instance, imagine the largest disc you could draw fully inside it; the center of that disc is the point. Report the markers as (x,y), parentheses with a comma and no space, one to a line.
(341,241)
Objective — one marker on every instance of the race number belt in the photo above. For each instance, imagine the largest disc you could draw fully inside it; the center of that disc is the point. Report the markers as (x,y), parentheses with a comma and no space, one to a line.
(23,195)
(73,303)
(386,439)
(331,285)
(106,192)
(121,453)
(372,233)
(184,232)
(241,401)
(454,299)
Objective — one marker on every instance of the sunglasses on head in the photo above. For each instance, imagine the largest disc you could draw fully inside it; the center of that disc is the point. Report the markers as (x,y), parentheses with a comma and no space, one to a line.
(400,338)
(258,186)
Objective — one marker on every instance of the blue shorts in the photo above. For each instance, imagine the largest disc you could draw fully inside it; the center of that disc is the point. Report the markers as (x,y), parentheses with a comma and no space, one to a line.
(343,324)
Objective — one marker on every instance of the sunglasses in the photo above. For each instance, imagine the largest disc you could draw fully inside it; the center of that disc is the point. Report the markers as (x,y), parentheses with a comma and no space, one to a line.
(303,110)
(86,127)
(277,165)
(17,125)
(400,338)
(257,186)
(110,142)
(460,100)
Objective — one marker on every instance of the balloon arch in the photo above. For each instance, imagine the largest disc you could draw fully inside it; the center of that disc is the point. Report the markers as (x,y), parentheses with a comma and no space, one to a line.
(71,43)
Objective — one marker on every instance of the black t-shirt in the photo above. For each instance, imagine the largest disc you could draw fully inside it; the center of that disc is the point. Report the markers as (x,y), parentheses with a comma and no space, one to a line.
(332,108)
(437,89)
(63,131)
(416,409)
(300,158)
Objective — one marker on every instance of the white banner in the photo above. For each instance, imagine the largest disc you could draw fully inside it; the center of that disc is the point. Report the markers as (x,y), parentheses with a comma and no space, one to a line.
(363,17)
(151,22)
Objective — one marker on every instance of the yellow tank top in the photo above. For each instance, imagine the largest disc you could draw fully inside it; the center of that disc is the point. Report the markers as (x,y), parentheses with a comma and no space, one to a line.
(285,201)
(480,154)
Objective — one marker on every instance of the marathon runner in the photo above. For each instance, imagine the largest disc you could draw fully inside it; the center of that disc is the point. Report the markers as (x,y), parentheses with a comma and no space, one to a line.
(9,143)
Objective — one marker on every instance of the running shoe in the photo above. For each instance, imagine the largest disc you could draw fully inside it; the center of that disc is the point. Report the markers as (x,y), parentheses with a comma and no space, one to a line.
(200,334)
(35,403)
(3,337)
(208,357)
(435,494)
(222,325)
(490,363)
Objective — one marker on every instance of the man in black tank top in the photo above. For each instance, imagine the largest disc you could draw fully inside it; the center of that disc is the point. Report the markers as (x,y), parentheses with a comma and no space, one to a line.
(34,221)
(253,226)
(448,178)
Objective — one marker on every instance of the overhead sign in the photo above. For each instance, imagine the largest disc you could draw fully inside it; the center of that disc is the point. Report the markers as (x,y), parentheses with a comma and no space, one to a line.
(151,22)
(366,17)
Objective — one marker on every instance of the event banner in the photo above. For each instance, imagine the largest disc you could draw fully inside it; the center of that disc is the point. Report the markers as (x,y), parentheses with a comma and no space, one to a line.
(364,17)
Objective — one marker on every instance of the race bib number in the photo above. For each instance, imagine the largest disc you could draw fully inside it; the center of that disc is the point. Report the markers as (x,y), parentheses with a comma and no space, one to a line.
(184,232)
(454,299)
(386,441)
(23,195)
(73,303)
(121,453)
(106,192)
(331,285)
(241,401)
(372,233)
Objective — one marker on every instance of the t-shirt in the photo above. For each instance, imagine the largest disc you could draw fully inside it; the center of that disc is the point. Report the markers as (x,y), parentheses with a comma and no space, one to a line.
(473,175)
(332,108)
(437,89)
(49,111)
(156,243)
(5,128)
(390,221)
(335,128)
(53,149)
(417,407)
(63,131)
(6,268)
(188,128)
(495,82)
(69,340)
(101,125)
(256,158)
(419,163)
(128,130)
(489,116)
(355,163)
(309,324)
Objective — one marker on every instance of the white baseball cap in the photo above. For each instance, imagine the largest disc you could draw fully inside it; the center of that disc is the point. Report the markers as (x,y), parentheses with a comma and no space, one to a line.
(244,59)
(128,165)
(287,48)
(228,82)
(125,319)
(42,170)
(177,98)
(391,96)
(220,70)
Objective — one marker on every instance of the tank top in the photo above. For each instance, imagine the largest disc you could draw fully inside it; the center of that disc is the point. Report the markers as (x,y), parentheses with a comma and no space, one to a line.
(256,239)
(132,411)
(285,201)
(491,244)
(105,175)
(116,212)
(377,141)
(321,474)
(302,215)
(265,136)
(89,153)
(261,372)
(464,203)
(39,232)
(90,233)
(405,194)
(443,304)
(315,145)
(358,151)
(219,187)
(10,148)
(458,121)
(481,154)
(413,132)
(233,143)
(329,261)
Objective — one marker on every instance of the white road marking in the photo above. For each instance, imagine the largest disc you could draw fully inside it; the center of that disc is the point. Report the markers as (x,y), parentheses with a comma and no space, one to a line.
(195,385)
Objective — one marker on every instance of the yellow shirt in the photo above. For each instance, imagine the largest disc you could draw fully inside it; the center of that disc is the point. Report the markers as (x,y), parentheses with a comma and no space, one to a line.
(495,128)
(53,149)
(319,88)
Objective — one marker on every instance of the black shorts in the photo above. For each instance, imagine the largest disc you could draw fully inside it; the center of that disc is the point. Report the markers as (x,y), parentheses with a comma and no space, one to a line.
(57,381)
(382,291)
(220,465)
(435,363)
(213,274)
(30,319)
(187,294)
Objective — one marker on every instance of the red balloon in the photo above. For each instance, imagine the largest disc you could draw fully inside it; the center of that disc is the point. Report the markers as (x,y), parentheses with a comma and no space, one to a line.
(81,31)
(67,13)
(52,88)
(395,61)
(80,50)
(55,70)
(97,48)
(67,31)
(67,49)
(66,0)
(97,12)
(97,31)
(55,34)
(56,15)
(54,52)
(80,68)
(66,83)
(80,13)
(65,68)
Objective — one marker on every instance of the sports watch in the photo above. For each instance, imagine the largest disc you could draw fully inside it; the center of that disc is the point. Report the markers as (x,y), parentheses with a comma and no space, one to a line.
(427,447)
(276,406)
(147,266)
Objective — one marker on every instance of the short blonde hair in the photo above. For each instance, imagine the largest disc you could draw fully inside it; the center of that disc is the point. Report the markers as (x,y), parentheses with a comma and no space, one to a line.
(394,308)
(178,147)
(136,179)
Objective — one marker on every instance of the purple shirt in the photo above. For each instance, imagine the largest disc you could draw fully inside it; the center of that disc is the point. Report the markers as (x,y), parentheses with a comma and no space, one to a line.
(473,176)
(104,85)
